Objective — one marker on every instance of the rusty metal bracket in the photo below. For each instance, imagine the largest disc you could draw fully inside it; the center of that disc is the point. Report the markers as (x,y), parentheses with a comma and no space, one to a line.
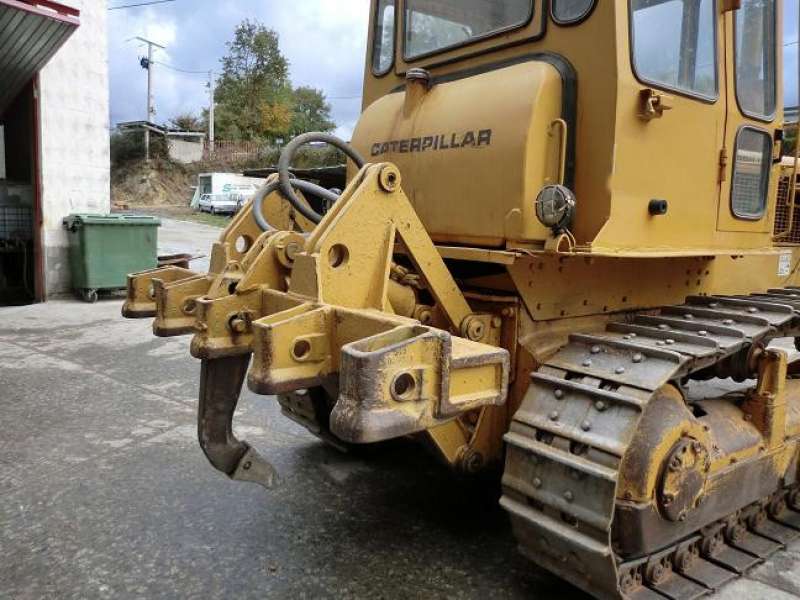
(333,306)
(766,404)
(412,378)
(140,302)
(338,318)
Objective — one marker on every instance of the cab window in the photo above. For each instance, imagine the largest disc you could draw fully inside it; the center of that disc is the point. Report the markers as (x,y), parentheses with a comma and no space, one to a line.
(383,44)
(751,173)
(434,25)
(674,45)
(755,58)
(566,12)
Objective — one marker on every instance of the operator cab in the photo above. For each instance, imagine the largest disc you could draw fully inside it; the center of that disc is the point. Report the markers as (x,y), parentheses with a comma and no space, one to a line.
(664,118)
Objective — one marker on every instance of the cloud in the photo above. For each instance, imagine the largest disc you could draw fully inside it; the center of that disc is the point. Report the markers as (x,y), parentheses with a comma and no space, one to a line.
(324,41)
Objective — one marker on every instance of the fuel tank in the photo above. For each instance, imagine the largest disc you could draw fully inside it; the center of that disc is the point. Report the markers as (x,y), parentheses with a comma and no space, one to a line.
(474,149)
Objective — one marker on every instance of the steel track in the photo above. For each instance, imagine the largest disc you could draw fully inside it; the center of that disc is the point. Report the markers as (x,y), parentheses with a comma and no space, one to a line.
(572,431)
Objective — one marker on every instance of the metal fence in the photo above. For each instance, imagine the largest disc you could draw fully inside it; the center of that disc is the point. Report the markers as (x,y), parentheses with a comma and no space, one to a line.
(234,150)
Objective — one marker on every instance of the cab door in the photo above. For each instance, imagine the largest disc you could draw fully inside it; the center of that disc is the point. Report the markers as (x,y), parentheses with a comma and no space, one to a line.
(748,176)
(671,126)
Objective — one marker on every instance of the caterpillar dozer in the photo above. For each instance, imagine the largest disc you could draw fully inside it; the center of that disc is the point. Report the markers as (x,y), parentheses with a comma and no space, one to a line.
(559,217)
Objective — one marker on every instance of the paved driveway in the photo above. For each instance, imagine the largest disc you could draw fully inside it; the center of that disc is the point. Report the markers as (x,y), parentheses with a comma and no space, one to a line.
(176,237)
(104,492)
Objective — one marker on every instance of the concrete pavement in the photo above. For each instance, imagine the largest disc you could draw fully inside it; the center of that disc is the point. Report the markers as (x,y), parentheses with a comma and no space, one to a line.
(104,492)
(176,237)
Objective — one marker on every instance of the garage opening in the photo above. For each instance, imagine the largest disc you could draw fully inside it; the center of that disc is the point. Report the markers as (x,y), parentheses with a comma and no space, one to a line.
(31,32)
(18,256)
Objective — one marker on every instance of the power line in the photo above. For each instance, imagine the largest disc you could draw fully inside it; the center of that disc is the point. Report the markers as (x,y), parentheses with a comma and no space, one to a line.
(140,4)
(211,90)
(184,70)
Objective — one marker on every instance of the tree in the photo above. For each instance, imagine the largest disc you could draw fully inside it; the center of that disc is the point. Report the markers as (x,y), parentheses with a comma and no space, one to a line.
(128,146)
(255,99)
(310,112)
(188,122)
(255,75)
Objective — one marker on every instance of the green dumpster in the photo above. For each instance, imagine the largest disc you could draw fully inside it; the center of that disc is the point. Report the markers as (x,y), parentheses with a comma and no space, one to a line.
(104,249)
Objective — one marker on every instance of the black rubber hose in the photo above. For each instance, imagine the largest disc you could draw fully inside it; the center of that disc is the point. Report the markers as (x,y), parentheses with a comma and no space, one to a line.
(258,203)
(285,163)
(315,190)
(270,188)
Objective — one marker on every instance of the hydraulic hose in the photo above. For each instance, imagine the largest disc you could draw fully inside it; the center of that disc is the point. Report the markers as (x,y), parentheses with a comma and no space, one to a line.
(258,203)
(285,162)
(303,186)
(286,183)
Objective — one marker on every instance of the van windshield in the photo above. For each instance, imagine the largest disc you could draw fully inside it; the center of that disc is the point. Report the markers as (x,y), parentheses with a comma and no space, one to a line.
(433,25)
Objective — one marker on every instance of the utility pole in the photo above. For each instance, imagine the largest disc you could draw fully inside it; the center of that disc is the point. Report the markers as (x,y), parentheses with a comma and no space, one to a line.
(147,64)
(211,90)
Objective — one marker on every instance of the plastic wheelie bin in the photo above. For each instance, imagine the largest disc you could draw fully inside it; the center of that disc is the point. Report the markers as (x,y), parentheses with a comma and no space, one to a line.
(104,249)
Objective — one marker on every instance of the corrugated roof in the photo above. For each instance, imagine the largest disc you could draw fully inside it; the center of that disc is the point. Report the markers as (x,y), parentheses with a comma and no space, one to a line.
(31,31)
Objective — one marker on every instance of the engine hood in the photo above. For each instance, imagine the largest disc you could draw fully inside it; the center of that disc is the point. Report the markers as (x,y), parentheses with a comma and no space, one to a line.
(474,150)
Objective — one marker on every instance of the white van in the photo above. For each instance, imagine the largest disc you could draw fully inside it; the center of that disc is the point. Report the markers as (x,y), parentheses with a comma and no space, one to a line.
(224,193)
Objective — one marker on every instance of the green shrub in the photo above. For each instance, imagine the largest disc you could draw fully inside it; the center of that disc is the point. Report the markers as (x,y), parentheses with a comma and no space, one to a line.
(127,146)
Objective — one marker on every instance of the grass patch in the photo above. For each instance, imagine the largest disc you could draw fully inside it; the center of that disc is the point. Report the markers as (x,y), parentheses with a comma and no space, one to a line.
(220,221)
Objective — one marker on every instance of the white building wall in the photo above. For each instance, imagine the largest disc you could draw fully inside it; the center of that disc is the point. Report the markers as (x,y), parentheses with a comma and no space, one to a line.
(185,151)
(74,144)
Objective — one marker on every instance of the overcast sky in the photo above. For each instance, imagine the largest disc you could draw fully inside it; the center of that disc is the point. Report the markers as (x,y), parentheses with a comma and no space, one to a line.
(324,41)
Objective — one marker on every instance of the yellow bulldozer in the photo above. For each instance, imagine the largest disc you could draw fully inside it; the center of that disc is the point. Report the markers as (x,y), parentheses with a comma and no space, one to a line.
(559,216)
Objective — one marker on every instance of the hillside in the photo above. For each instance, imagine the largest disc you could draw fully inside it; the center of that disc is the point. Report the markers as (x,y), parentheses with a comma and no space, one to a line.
(164,183)
(157,184)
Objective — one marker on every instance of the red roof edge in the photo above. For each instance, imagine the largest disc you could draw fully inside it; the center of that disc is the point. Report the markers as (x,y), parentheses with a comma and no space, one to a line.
(47,8)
